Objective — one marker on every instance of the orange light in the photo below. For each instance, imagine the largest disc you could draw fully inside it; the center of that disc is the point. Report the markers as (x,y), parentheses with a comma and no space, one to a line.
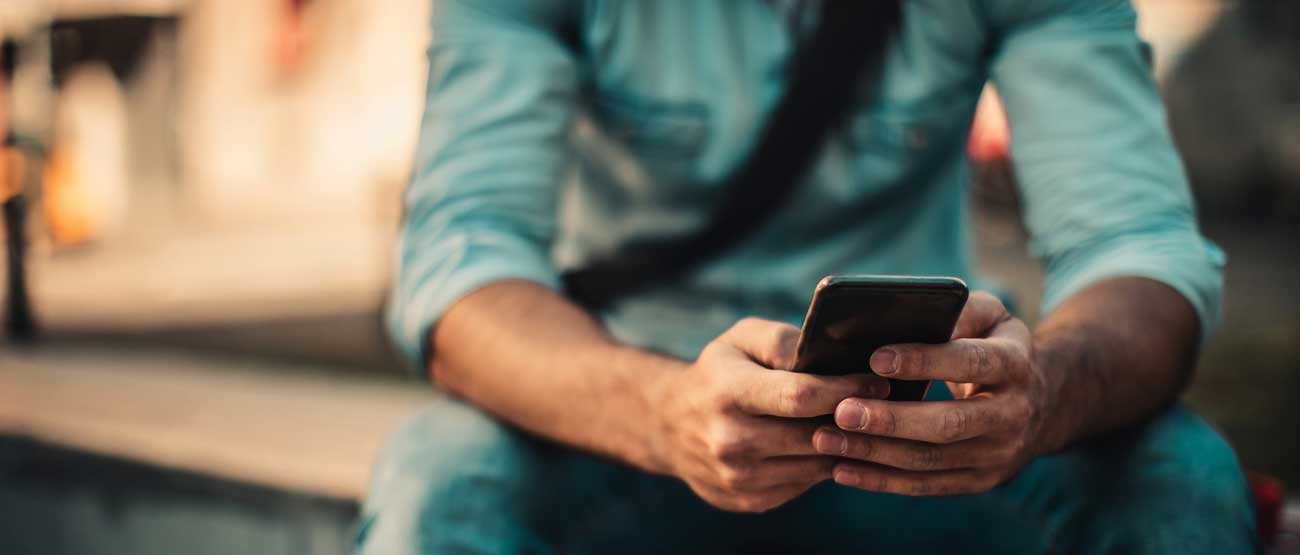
(69,212)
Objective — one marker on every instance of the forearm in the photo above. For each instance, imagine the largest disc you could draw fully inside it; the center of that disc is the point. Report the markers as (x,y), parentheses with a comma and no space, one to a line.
(528,355)
(1112,355)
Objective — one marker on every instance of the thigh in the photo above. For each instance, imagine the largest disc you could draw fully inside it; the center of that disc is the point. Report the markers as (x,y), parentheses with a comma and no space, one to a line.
(836,519)
(452,479)
(1171,486)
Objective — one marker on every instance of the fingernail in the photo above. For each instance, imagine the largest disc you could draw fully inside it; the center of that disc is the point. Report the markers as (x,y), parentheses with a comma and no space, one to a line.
(884,361)
(851,416)
(880,389)
(831,442)
(846,478)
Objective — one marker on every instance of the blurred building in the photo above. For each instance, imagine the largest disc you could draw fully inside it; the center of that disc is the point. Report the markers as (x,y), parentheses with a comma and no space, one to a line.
(237,193)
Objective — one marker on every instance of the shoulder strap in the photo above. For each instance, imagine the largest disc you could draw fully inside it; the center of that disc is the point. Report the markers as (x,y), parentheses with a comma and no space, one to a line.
(847,47)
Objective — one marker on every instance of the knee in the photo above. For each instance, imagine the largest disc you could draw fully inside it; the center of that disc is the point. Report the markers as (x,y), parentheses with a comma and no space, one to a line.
(446,442)
(1182,450)
(1173,483)
(446,466)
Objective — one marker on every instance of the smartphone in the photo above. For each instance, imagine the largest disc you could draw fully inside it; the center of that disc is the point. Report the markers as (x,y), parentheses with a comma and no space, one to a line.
(851,316)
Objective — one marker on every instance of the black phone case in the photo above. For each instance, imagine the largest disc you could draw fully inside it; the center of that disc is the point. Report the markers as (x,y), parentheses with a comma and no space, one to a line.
(851,316)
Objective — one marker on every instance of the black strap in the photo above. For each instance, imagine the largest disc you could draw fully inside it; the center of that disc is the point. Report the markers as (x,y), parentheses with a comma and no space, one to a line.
(19,321)
(847,47)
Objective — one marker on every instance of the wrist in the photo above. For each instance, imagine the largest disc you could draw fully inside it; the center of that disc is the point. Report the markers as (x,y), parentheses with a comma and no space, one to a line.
(656,392)
(1058,419)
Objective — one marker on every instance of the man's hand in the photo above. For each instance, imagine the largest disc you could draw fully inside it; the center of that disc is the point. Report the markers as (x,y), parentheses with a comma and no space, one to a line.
(727,423)
(969,445)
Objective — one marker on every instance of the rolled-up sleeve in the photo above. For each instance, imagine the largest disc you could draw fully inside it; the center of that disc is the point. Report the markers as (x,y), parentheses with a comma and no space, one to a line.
(481,206)
(1104,191)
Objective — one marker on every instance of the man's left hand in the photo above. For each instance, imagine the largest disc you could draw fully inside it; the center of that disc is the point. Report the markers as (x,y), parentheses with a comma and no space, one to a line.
(968,445)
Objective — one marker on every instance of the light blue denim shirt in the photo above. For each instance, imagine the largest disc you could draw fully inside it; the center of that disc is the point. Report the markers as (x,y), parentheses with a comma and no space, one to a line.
(542,148)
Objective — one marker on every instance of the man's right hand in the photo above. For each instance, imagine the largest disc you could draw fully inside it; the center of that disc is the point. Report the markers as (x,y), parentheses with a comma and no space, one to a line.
(735,425)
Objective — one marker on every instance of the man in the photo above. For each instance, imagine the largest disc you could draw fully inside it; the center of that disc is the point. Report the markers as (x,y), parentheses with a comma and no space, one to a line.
(666,420)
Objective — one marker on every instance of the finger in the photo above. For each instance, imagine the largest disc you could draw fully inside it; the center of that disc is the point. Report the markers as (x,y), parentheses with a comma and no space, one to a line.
(906,482)
(769,343)
(784,472)
(774,472)
(769,437)
(900,453)
(981,313)
(797,395)
(934,421)
(982,361)
(1013,330)
(750,502)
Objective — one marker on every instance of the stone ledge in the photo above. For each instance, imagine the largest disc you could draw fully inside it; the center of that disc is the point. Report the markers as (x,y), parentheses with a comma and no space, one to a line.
(293,427)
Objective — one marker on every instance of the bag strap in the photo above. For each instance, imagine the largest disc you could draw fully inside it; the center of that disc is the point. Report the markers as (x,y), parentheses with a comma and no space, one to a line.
(847,47)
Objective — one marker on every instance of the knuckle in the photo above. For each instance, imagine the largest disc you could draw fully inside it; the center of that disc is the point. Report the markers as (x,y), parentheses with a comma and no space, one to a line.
(885,420)
(883,484)
(796,396)
(735,476)
(717,390)
(914,361)
(926,457)
(1015,358)
(778,344)
(720,399)
(713,349)
(954,426)
(726,438)
(731,449)
(1018,418)
(989,419)
(861,447)
(978,362)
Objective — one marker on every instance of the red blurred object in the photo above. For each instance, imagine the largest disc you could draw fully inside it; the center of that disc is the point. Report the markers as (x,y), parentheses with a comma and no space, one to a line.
(990,135)
(1269,498)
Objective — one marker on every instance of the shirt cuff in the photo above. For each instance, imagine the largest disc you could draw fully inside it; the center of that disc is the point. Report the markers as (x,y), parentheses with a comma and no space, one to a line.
(434,277)
(1193,266)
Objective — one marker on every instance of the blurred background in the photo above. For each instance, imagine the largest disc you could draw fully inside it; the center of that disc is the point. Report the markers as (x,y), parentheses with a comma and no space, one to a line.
(206,196)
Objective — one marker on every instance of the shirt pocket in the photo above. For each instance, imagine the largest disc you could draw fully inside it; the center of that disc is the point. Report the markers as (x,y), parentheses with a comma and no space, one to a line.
(665,138)
(896,148)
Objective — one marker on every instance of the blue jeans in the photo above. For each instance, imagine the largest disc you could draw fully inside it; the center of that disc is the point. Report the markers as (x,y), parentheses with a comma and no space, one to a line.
(452,479)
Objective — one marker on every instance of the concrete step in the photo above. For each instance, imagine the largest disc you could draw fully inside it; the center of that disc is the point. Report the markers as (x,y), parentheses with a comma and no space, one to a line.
(294,427)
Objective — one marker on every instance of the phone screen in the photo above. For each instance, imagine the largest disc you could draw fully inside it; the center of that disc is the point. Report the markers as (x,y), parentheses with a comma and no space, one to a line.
(852,316)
